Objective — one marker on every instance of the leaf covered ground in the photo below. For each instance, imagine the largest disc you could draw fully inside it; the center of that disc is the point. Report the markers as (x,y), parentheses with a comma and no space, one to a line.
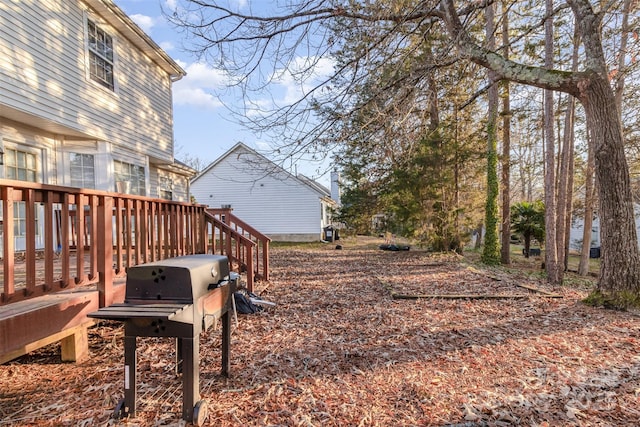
(338,350)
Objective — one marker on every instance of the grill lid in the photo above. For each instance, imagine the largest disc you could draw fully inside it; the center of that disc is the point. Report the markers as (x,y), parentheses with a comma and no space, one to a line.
(181,279)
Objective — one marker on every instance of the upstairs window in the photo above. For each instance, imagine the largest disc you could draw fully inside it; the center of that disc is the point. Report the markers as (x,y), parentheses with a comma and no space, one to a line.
(100,55)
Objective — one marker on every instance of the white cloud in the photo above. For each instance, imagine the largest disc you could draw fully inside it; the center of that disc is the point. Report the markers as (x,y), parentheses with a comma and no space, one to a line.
(262,145)
(195,97)
(167,46)
(171,4)
(145,22)
(324,68)
(296,86)
(197,87)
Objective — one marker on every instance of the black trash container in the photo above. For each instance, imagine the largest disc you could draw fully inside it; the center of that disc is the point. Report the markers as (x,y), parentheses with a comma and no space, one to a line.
(594,252)
(328,234)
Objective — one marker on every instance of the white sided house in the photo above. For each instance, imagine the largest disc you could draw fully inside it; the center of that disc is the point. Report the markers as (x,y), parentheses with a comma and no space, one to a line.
(282,206)
(86,101)
(577,227)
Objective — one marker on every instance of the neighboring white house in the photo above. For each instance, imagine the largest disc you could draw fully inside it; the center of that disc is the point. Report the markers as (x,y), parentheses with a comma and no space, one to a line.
(277,203)
(86,101)
(575,234)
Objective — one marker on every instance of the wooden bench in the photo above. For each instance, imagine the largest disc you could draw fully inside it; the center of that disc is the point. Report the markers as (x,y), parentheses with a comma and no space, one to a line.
(28,325)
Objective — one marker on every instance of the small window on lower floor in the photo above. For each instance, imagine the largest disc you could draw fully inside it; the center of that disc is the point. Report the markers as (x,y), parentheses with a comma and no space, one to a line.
(82,170)
(166,188)
(129,178)
(20,165)
(166,194)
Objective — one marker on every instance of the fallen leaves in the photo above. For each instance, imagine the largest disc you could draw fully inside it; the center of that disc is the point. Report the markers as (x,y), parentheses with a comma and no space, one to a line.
(338,350)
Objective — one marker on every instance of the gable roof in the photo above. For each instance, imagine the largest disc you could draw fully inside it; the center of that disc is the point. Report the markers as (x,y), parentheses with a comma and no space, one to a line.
(318,188)
(314,184)
(125,26)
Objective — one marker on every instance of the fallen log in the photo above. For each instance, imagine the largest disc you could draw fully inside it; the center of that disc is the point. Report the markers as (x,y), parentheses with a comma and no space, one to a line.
(460,296)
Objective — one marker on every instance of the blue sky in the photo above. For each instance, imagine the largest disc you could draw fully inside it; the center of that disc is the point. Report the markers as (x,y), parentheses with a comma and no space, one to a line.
(203,127)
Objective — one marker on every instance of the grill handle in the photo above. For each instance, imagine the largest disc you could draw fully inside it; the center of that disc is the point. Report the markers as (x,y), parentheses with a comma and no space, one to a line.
(224,282)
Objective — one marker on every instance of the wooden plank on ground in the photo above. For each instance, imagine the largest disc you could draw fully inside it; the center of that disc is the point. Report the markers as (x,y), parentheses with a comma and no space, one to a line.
(460,296)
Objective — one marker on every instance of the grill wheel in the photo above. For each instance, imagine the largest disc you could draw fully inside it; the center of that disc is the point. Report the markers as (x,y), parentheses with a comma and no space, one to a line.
(200,413)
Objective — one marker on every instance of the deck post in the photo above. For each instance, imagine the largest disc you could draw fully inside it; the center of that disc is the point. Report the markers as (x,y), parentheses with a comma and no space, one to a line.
(75,346)
(105,250)
(265,260)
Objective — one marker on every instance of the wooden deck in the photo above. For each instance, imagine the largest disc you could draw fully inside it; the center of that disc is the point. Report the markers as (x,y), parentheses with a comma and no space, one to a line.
(72,255)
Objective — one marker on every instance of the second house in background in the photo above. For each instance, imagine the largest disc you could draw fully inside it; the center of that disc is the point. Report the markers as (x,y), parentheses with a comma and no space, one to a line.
(282,206)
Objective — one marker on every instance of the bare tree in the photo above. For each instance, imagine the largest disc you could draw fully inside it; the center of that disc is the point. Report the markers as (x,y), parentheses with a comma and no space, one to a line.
(554,272)
(505,253)
(245,43)
(589,202)
(620,71)
(490,252)
(565,178)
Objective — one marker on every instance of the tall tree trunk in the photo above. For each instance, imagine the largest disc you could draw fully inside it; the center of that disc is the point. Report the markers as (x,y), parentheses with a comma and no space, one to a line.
(570,140)
(565,182)
(505,253)
(620,258)
(456,170)
(554,272)
(619,242)
(490,253)
(590,202)
(622,54)
(583,267)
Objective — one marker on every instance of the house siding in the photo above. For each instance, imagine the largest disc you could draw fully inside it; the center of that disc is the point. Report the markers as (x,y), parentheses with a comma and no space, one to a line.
(43,73)
(263,195)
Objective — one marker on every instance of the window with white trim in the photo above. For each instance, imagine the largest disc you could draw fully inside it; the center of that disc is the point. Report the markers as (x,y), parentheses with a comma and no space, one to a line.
(22,166)
(101,59)
(131,177)
(82,170)
(166,188)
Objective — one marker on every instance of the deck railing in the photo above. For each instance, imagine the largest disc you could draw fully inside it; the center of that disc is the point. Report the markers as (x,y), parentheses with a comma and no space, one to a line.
(58,238)
(245,245)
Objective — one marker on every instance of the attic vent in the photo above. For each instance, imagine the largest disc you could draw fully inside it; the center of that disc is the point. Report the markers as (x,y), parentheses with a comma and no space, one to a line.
(225,206)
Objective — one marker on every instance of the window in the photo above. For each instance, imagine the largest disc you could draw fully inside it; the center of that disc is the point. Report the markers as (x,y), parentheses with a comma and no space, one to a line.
(20,165)
(82,170)
(166,188)
(20,219)
(100,55)
(131,178)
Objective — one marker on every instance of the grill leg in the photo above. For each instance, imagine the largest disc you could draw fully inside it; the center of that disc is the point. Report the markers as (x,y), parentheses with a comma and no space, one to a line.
(129,377)
(190,375)
(178,356)
(226,342)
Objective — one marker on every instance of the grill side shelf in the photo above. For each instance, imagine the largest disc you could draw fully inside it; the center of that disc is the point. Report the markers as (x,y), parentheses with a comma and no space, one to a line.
(139,311)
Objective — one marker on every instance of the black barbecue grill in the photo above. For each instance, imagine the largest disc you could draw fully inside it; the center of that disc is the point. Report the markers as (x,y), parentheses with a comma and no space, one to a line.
(176,297)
